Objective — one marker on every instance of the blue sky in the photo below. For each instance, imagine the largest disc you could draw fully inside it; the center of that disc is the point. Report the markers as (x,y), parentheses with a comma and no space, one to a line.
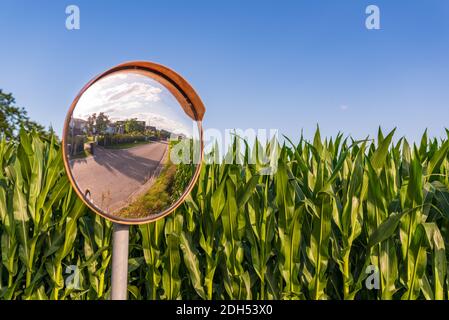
(286,65)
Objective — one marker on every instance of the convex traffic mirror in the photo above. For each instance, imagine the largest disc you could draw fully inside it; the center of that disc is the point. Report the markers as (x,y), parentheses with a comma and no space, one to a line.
(133,142)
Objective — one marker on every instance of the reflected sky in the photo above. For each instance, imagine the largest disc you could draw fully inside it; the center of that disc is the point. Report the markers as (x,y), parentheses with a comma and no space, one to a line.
(127,95)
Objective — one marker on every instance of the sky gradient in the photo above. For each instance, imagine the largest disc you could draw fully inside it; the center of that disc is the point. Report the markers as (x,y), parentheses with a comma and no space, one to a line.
(286,65)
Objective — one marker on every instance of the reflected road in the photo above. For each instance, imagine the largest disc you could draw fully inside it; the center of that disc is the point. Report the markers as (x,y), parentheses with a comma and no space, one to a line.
(114,175)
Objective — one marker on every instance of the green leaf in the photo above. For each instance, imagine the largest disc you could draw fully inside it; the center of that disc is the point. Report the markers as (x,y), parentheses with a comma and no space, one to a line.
(192,263)
(380,155)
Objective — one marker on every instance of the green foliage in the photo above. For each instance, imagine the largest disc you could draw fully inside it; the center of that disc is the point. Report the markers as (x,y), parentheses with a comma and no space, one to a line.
(156,199)
(134,126)
(309,231)
(12,118)
(120,139)
(181,179)
(101,123)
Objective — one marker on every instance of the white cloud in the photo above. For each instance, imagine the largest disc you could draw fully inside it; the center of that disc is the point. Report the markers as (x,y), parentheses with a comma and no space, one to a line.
(117,93)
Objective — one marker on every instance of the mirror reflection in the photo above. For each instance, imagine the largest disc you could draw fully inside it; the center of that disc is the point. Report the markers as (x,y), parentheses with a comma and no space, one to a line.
(132,145)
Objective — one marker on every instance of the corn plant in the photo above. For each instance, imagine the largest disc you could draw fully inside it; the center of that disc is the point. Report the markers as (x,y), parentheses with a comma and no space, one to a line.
(339,219)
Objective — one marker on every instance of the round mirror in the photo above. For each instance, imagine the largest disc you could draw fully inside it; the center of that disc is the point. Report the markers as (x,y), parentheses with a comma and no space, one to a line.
(133,142)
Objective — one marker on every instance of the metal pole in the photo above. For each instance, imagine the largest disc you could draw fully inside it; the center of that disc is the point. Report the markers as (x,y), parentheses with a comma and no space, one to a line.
(120,243)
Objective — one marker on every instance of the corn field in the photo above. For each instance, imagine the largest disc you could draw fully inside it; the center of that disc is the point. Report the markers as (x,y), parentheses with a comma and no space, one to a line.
(335,213)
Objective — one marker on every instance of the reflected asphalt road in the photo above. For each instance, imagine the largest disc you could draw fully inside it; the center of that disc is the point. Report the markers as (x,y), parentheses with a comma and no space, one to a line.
(113,175)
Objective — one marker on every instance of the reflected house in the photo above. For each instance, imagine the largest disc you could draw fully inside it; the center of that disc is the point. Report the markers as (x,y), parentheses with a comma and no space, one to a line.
(78,127)
(164,134)
(114,128)
(179,137)
(142,124)
(117,127)
(150,128)
(151,132)
(110,128)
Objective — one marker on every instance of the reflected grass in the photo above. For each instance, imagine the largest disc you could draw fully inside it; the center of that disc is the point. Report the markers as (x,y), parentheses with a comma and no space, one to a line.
(157,198)
(166,189)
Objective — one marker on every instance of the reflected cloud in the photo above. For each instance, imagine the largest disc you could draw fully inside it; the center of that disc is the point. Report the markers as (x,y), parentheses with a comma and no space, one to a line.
(164,123)
(123,96)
